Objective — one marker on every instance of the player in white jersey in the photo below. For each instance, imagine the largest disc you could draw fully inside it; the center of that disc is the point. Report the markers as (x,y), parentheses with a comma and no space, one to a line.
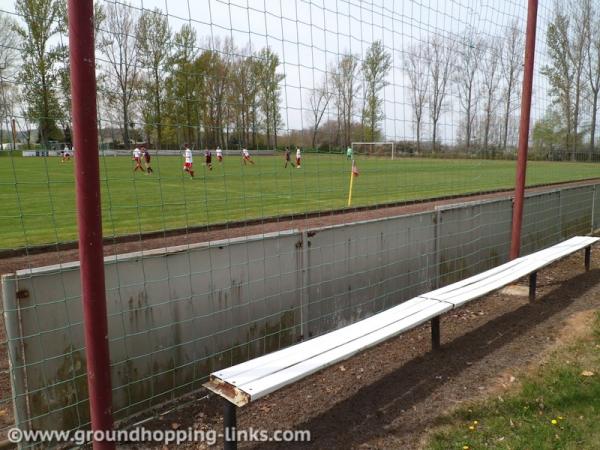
(298,157)
(246,156)
(137,157)
(219,154)
(189,160)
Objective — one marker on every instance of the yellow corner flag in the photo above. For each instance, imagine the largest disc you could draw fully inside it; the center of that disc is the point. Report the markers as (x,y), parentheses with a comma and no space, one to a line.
(353,174)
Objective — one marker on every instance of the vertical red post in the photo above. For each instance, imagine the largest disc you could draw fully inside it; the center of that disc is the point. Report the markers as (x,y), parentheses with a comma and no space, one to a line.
(89,215)
(517,220)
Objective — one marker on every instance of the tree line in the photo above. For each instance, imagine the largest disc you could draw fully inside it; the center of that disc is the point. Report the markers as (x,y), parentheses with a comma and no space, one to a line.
(161,85)
(170,86)
(573,73)
(147,74)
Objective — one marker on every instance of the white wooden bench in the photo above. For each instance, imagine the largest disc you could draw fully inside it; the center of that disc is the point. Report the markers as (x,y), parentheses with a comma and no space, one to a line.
(251,380)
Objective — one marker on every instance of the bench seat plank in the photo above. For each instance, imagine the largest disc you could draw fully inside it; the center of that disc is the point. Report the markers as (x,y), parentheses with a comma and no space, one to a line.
(260,387)
(273,362)
(558,251)
(248,381)
(494,279)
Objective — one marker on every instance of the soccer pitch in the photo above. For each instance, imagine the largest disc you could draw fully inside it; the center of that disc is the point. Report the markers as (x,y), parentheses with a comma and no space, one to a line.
(38,194)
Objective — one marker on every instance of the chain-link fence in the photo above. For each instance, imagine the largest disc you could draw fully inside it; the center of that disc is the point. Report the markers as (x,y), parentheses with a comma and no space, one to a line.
(228,133)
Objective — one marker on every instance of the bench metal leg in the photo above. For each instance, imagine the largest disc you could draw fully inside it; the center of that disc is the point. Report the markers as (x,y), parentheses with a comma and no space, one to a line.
(230,426)
(435,333)
(532,286)
(588,258)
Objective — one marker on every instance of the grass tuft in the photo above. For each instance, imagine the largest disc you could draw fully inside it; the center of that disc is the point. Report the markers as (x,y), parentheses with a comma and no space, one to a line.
(557,407)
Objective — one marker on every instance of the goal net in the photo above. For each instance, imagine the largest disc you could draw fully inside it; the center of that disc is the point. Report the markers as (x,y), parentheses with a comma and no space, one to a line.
(381,149)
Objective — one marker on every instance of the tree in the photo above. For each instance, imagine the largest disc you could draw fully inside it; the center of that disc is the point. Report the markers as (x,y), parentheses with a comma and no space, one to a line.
(592,68)
(64,71)
(39,70)
(469,58)
(511,67)
(547,134)
(119,44)
(182,84)
(416,68)
(375,68)
(346,89)
(566,50)
(490,80)
(439,57)
(319,101)
(560,72)
(154,38)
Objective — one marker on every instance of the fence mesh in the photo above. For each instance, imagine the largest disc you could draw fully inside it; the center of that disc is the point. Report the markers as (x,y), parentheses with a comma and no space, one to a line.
(226,133)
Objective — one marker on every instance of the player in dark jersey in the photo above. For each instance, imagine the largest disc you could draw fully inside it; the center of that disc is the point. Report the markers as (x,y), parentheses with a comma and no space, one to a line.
(208,159)
(147,158)
(287,158)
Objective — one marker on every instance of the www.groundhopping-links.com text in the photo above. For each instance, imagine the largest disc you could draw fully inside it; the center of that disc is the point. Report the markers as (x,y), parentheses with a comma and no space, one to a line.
(143,435)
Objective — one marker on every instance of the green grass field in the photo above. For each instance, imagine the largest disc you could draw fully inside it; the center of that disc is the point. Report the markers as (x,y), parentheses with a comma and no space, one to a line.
(38,194)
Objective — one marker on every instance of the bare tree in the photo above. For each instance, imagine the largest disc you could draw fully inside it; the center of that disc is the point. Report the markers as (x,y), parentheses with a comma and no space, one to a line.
(217,70)
(511,65)
(490,78)
(469,57)
(583,9)
(9,43)
(119,44)
(319,101)
(244,94)
(269,91)
(346,88)
(439,57)
(415,66)
(592,63)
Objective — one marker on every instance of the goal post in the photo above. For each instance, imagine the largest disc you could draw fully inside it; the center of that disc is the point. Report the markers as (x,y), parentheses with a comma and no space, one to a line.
(383,148)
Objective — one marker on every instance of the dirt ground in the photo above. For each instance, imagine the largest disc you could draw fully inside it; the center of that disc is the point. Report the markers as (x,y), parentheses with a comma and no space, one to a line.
(390,396)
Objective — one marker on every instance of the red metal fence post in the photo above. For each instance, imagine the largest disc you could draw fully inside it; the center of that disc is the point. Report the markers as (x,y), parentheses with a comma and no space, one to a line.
(517,219)
(89,214)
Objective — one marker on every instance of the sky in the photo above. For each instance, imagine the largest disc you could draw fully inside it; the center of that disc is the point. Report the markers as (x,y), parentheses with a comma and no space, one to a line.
(311,35)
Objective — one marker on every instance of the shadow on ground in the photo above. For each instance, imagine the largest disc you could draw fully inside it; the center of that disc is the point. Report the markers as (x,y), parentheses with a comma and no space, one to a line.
(373,411)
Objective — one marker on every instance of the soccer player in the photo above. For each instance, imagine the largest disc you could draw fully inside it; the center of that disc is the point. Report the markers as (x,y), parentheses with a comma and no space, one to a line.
(349,153)
(147,159)
(66,154)
(189,160)
(137,157)
(287,158)
(219,154)
(246,156)
(298,157)
(208,159)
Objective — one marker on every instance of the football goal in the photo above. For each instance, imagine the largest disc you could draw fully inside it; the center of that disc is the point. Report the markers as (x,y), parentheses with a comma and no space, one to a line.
(384,149)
